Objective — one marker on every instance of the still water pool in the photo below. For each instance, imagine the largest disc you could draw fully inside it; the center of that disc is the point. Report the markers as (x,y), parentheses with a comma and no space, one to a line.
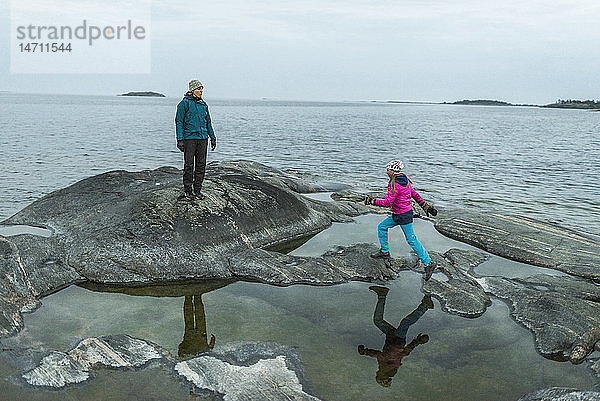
(488,358)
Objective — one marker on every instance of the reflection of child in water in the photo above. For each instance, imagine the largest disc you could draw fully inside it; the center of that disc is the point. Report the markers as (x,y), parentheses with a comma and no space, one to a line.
(395,347)
(194,336)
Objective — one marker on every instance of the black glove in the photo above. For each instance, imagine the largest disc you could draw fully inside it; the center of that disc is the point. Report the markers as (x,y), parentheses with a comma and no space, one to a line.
(213,143)
(180,145)
(429,209)
(422,338)
(370,201)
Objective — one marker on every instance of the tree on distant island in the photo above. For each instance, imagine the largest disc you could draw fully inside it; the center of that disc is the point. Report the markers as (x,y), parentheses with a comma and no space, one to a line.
(483,102)
(575,104)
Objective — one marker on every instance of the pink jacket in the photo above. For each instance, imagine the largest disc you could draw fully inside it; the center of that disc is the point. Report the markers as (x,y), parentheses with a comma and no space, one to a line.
(400,200)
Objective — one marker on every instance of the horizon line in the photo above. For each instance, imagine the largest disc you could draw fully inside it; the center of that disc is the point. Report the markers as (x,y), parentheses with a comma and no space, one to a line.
(266,98)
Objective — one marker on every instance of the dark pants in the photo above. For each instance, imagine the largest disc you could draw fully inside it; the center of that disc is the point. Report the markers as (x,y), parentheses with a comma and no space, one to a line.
(194,337)
(194,166)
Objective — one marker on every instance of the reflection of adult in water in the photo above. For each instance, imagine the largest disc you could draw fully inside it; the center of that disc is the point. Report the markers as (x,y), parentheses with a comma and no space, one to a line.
(395,347)
(194,338)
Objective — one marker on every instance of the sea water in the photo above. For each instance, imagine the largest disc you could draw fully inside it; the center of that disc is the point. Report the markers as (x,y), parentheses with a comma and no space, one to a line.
(538,162)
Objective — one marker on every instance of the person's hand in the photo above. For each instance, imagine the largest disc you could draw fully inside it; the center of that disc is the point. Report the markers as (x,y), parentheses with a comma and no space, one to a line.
(180,145)
(422,338)
(370,201)
(213,144)
(429,209)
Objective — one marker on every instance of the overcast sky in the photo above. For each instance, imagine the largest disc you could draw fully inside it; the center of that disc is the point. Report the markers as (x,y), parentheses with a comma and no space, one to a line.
(531,51)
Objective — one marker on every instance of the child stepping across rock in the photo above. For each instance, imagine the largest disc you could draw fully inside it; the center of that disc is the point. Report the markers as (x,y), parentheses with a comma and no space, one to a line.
(400,192)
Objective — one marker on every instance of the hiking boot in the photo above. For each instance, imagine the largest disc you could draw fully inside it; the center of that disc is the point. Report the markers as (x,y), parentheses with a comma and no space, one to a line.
(199,195)
(427,302)
(379,290)
(381,255)
(189,195)
(429,270)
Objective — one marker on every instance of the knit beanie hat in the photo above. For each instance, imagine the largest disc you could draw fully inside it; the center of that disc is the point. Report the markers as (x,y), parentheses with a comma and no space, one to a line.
(195,84)
(395,166)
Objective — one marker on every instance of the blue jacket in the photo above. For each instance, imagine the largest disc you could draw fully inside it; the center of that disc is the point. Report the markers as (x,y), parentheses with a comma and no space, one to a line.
(192,120)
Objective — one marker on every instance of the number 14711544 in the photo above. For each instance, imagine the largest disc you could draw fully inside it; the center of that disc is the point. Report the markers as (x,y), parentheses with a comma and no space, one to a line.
(44,47)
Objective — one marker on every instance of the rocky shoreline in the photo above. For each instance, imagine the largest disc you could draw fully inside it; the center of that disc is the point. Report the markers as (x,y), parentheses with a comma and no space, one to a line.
(133,229)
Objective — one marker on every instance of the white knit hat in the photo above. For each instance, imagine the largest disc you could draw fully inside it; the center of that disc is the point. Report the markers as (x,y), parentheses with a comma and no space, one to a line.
(395,166)
(195,84)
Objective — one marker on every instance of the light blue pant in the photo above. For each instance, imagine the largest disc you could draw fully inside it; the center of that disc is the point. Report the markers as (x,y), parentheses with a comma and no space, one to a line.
(405,324)
(409,234)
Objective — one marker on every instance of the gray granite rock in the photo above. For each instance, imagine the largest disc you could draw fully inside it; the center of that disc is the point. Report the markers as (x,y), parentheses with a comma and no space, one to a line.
(130,227)
(11,320)
(133,228)
(20,283)
(580,290)
(559,317)
(336,266)
(561,394)
(460,294)
(18,357)
(59,369)
(282,179)
(594,365)
(234,371)
(563,313)
(525,240)
(247,371)
(571,286)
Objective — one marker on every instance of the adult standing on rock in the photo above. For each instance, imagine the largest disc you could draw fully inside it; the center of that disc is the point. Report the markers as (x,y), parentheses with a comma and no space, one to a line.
(193,127)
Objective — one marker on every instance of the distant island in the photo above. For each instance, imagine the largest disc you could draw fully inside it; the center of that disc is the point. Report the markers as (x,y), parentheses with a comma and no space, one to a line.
(487,102)
(408,102)
(148,94)
(483,102)
(575,104)
(560,104)
(477,102)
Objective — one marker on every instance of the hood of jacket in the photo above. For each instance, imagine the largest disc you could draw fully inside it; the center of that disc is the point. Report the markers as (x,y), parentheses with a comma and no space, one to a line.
(402,180)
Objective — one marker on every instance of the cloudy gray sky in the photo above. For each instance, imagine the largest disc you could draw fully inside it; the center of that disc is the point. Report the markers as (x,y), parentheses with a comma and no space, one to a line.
(526,52)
